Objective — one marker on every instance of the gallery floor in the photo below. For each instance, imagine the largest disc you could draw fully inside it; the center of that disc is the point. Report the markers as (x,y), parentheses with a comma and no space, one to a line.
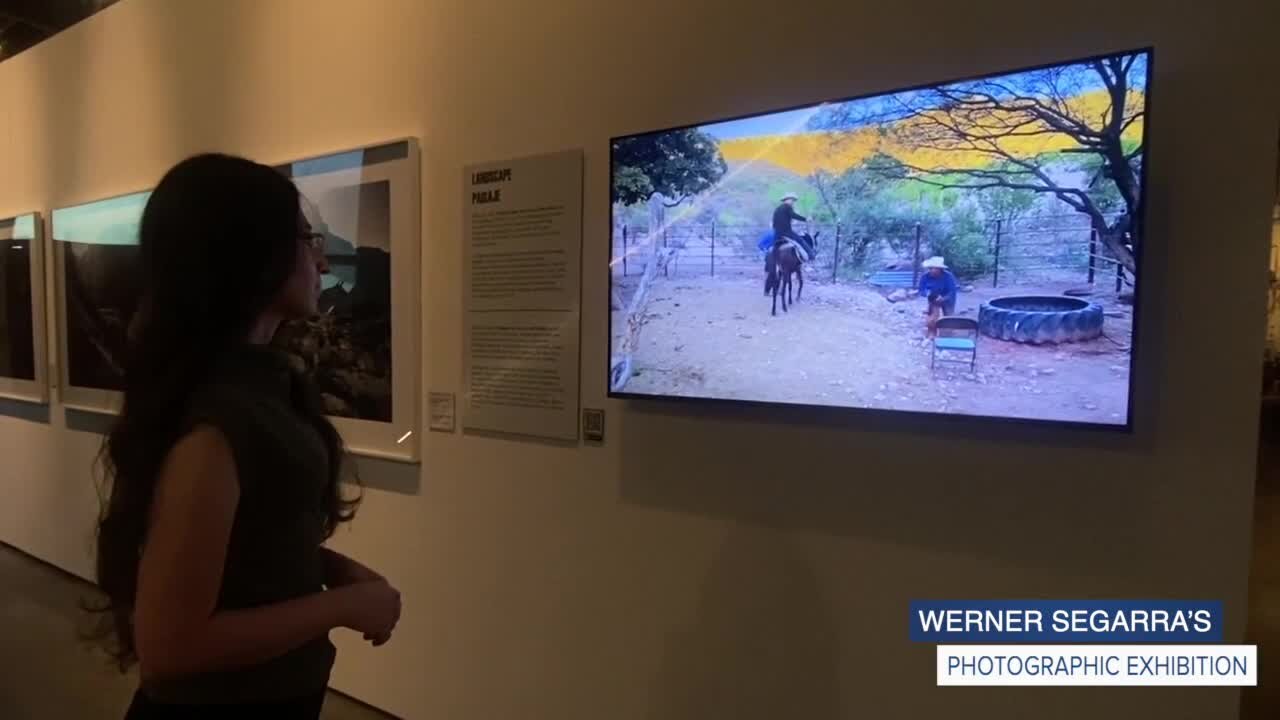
(48,673)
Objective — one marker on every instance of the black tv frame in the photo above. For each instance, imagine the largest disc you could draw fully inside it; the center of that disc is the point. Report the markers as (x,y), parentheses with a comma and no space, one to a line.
(854,411)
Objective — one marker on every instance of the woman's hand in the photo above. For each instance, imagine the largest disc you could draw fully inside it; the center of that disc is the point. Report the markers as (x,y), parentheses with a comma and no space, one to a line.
(372,608)
(342,572)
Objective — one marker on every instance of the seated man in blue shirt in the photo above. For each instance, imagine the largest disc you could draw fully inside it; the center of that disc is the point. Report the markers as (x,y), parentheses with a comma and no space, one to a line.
(939,285)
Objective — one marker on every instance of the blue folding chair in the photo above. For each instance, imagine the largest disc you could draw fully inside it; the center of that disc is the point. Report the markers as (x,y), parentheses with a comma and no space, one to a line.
(955,335)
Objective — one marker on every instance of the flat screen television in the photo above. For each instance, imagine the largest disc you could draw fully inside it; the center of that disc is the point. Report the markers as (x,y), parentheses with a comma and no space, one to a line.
(967,248)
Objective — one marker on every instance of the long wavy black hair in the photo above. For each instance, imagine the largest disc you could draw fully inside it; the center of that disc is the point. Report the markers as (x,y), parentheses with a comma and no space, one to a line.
(219,238)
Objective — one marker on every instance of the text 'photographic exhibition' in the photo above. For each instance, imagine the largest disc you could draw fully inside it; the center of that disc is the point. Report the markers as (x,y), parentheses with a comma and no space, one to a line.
(22,332)
(362,348)
(965,248)
(522,240)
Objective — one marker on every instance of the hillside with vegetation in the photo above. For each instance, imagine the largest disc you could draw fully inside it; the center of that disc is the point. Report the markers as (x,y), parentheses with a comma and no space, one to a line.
(947,162)
(835,151)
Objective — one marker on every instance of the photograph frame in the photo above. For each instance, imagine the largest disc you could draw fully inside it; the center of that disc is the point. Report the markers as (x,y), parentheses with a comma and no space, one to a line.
(398,440)
(77,397)
(34,390)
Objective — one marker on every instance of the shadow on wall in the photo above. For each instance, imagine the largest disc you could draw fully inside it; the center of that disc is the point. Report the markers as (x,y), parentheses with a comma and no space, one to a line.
(866,478)
(762,643)
(85,421)
(388,475)
(22,410)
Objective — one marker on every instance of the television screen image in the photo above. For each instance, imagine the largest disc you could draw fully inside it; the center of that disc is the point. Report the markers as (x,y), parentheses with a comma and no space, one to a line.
(967,248)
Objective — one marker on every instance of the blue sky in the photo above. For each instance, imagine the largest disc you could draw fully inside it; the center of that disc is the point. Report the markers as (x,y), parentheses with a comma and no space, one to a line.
(327,164)
(772,124)
(113,221)
(24,227)
(794,121)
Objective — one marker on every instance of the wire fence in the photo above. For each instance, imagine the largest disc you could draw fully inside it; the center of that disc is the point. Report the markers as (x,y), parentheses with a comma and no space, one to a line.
(1038,249)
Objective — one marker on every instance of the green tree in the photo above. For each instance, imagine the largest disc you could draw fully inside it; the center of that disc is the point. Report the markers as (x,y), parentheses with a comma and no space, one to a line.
(860,199)
(1006,204)
(959,238)
(673,164)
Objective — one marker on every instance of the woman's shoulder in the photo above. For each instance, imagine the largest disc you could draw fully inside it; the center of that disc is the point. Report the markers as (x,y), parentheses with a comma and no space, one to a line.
(204,446)
(232,402)
(241,378)
(216,401)
(215,414)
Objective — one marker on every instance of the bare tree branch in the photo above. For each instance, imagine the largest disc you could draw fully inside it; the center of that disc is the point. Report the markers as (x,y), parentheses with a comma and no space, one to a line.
(817,179)
(1102,73)
(1125,126)
(1059,101)
(1061,121)
(972,120)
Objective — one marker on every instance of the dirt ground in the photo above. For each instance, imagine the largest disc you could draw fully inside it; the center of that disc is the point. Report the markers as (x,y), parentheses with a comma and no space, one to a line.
(846,345)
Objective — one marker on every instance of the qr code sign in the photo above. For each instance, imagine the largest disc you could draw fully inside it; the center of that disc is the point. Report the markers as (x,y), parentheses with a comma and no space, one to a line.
(593,425)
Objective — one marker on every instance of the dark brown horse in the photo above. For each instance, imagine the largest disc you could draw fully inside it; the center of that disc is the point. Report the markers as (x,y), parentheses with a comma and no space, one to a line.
(785,262)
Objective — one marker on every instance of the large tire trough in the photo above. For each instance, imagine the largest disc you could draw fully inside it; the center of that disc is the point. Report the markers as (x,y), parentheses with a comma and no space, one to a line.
(1040,319)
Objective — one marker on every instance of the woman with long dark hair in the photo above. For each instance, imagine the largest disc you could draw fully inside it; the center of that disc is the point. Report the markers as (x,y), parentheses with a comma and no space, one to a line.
(225,476)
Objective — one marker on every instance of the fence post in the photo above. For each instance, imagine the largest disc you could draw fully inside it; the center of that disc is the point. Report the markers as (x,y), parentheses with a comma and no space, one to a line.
(835,255)
(1119,275)
(625,250)
(915,259)
(995,276)
(1093,251)
(666,269)
(713,248)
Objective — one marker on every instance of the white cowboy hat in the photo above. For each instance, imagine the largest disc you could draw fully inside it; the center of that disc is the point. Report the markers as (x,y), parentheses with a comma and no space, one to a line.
(789,196)
(934,262)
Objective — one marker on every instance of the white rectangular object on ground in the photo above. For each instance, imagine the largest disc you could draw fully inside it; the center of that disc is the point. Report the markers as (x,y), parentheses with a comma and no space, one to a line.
(1093,665)
(522,243)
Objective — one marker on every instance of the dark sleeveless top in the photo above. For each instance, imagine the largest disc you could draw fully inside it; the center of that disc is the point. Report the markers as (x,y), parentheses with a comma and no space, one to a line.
(273,554)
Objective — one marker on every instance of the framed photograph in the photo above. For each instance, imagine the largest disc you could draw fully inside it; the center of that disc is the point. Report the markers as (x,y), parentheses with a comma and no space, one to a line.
(362,349)
(22,325)
(95,259)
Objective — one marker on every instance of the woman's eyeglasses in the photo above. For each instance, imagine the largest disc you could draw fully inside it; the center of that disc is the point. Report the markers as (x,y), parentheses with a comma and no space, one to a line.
(313,240)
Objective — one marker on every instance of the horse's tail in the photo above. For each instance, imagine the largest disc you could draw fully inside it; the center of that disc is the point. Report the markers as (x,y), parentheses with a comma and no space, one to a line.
(770,262)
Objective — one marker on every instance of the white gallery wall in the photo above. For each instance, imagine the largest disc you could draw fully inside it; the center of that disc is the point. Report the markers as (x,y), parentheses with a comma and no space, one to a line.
(701,564)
